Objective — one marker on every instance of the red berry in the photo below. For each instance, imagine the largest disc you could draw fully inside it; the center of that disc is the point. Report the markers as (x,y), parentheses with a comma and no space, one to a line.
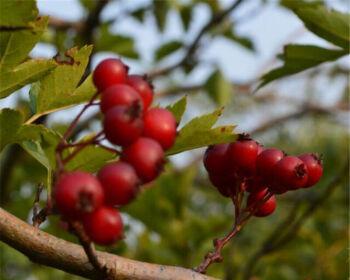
(266,161)
(314,168)
(109,72)
(122,125)
(119,95)
(143,88)
(160,125)
(242,155)
(119,182)
(224,184)
(146,156)
(291,173)
(77,193)
(266,208)
(104,226)
(215,159)
(260,149)
(254,185)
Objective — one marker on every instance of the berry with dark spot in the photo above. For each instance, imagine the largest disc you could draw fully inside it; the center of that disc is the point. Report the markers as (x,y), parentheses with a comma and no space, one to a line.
(143,87)
(314,168)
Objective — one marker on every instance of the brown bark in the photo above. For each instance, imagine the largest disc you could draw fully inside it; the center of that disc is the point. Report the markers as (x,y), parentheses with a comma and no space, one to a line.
(45,249)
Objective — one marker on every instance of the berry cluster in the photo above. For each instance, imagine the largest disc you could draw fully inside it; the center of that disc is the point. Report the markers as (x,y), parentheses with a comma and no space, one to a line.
(143,133)
(246,166)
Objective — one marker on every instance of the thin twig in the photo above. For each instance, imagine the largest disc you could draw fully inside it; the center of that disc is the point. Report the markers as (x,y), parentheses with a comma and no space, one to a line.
(216,19)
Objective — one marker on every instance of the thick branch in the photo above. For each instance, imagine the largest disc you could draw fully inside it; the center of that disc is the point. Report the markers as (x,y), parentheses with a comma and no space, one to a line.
(43,248)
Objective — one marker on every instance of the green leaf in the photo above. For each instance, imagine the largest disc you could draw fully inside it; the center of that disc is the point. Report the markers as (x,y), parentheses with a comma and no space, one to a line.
(90,159)
(167,49)
(88,4)
(58,89)
(243,41)
(120,44)
(160,10)
(25,73)
(219,89)
(186,15)
(329,24)
(17,13)
(37,140)
(15,45)
(199,132)
(178,108)
(298,58)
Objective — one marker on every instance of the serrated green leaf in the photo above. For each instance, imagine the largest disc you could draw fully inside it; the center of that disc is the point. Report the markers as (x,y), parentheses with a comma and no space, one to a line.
(120,44)
(219,89)
(37,140)
(243,41)
(167,49)
(15,45)
(331,25)
(90,159)
(23,74)
(298,58)
(58,89)
(17,13)
(160,10)
(199,132)
(178,108)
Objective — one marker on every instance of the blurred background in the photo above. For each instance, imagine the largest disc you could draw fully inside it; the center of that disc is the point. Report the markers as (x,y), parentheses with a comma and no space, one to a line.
(175,220)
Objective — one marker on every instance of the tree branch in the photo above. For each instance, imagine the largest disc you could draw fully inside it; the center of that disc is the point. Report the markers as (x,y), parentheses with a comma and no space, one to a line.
(216,19)
(45,249)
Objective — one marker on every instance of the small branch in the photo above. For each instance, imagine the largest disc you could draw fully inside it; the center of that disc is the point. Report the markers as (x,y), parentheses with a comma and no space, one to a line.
(89,248)
(216,19)
(60,24)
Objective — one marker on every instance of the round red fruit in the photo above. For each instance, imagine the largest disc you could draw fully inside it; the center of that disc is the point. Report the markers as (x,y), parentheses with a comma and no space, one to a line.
(119,95)
(146,156)
(160,125)
(215,159)
(266,161)
(290,173)
(120,183)
(314,168)
(222,184)
(77,193)
(266,208)
(143,87)
(242,155)
(122,125)
(104,226)
(254,185)
(109,72)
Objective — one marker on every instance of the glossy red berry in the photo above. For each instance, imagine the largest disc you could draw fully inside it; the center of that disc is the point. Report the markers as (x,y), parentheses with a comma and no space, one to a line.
(146,156)
(226,185)
(123,125)
(314,168)
(266,208)
(254,184)
(109,72)
(266,161)
(144,88)
(77,193)
(104,226)
(160,125)
(291,173)
(260,149)
(120,183)
(119,95)
(242,155)
(215,159)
